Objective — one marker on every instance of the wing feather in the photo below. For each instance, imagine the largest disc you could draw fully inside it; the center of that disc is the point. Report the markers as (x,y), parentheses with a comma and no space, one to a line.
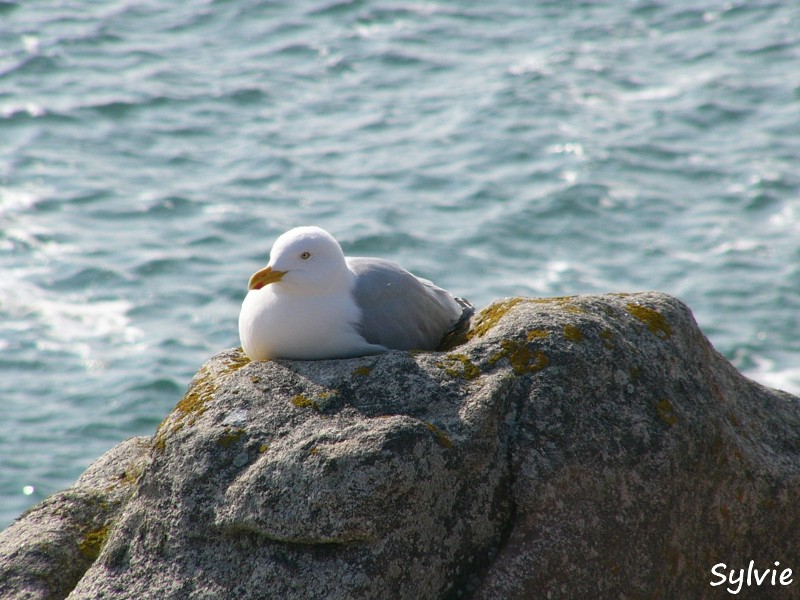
(401,311)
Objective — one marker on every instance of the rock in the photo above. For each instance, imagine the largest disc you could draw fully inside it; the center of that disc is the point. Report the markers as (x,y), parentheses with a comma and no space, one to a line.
(47,550)
(576,447)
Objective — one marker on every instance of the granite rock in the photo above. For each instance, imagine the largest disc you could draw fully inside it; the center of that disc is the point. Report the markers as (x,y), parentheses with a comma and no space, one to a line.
(45,552)
(590,446)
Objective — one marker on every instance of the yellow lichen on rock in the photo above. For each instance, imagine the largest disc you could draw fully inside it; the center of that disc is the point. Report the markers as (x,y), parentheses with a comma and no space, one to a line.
(565,303)
(459,365)
(572,333)
(608,339)
(537,334)
(93,542)
(301,401)
(195,402)
(523,360)
(553,300)
(573,308)
(200,392)
(655,321)
(441,437)
(229,436)
(665,412)
(489,316)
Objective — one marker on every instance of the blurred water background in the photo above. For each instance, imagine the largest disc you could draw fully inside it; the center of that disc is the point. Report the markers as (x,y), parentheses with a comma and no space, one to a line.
(151,151)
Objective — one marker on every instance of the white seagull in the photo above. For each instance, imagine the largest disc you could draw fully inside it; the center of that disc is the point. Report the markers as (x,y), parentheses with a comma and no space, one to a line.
(311,302)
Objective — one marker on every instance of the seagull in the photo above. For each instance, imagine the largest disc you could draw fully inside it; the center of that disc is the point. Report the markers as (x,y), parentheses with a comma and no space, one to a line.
(311,302)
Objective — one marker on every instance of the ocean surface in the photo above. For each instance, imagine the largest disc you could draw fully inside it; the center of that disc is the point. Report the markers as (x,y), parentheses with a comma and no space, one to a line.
(150,152)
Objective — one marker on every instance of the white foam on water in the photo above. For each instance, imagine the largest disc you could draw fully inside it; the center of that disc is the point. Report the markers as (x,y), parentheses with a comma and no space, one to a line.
(16,200)
(69,323)
(767,373)
(788,218)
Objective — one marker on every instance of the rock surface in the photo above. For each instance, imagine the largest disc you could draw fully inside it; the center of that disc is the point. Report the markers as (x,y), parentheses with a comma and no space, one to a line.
(49,548)
(593,446)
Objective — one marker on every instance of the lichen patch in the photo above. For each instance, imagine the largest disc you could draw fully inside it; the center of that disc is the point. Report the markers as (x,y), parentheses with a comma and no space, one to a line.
(666,412)
(572,333)
(459,366)
(197,398)
(490,316)
(441,437)
(656,323)
(523,360)
(93,542)
(301,401)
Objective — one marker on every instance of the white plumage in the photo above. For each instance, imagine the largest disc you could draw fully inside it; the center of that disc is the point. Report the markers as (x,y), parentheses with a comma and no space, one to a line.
(310,302)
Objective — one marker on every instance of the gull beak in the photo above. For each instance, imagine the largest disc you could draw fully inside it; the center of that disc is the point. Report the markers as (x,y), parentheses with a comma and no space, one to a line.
(264,277)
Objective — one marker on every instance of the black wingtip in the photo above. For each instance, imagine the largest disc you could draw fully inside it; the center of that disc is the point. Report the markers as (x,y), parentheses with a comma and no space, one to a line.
(467,310)
(458,332)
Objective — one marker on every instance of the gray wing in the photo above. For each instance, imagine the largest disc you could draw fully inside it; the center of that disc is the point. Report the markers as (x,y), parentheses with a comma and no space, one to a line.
(399,310)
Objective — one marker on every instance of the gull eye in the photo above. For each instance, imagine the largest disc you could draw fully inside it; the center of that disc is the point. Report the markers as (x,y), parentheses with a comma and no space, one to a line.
(305,255)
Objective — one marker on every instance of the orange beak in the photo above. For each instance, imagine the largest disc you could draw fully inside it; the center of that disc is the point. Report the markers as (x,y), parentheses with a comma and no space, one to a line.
(264,277)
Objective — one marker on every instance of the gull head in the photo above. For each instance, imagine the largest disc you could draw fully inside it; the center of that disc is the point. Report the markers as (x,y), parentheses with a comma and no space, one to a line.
(304,260)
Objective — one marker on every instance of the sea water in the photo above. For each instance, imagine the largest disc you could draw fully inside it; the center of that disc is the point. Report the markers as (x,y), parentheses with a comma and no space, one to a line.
(150,152)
